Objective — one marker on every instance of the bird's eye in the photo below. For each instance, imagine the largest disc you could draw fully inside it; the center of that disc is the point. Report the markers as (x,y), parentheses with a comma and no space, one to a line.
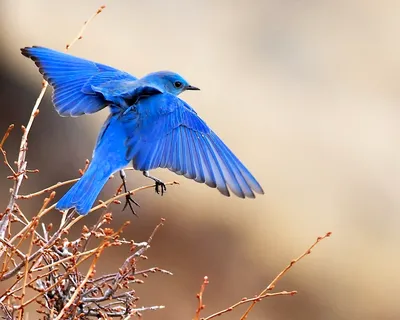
(178,84)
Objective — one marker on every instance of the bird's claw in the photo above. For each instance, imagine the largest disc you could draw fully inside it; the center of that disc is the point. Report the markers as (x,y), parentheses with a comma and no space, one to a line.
(128,202)
(160,187)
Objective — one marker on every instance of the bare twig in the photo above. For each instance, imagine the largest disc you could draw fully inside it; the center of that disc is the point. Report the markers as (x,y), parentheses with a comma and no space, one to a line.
(48,189)
(201,306)
(264,294)
(21,311)
(282,273)
(247,300)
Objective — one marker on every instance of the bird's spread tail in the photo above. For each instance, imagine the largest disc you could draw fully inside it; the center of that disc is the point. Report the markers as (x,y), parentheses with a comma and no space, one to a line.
(83,194)
(108,157)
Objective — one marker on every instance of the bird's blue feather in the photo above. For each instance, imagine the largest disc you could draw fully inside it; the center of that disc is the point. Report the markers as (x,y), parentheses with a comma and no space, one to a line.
(165,132)
(108,157)
(148,125)
(72,79)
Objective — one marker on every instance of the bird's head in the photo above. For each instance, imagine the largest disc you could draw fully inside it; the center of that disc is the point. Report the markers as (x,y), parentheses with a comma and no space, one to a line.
(167,81)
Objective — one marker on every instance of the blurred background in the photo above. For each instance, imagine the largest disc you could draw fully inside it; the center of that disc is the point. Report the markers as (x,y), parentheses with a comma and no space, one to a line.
(306,93)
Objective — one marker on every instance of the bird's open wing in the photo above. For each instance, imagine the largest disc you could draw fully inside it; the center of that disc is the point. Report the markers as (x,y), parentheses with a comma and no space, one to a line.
(166,132)
(72,79)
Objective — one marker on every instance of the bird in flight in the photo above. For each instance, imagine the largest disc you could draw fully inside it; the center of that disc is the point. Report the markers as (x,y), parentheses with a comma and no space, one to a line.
(148,125)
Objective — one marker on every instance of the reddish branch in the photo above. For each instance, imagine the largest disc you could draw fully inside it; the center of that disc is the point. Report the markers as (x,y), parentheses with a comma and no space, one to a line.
(264,294)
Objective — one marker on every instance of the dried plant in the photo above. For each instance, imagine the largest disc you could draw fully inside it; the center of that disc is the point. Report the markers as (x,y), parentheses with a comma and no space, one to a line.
(47,270)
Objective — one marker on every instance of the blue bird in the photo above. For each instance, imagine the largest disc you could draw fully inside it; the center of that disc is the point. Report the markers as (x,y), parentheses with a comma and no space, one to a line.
(148,125)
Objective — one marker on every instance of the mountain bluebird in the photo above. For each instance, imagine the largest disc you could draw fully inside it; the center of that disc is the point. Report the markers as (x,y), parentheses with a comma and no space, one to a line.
(148,125)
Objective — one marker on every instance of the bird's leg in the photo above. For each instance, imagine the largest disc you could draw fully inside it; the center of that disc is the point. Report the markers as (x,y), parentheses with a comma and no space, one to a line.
(128,197)
(160,186)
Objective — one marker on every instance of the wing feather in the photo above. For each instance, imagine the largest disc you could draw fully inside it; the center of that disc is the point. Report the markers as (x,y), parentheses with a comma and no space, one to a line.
(71,78)
(167,133)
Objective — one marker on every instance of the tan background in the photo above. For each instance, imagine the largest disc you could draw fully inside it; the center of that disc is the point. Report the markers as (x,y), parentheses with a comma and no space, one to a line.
(305,92)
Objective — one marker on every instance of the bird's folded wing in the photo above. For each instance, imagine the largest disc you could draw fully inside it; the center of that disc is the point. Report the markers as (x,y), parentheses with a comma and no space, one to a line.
(72,79)
(166,132)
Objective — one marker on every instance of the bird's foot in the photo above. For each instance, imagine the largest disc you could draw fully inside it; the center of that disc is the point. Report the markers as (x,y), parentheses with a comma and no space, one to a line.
(128,198)
(160,187)
(128,202)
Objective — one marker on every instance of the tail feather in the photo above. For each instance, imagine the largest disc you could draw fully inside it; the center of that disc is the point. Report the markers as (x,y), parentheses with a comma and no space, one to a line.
(83,194)
(108,157)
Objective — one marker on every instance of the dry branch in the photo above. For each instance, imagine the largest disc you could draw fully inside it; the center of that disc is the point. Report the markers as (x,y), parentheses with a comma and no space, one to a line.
(264,294)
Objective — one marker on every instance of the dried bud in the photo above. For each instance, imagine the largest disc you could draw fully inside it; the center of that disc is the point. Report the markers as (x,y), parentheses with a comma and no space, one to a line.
(108,217)
(108,231)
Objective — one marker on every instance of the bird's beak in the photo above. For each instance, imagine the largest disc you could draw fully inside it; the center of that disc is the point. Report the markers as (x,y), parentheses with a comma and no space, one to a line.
(192,88)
